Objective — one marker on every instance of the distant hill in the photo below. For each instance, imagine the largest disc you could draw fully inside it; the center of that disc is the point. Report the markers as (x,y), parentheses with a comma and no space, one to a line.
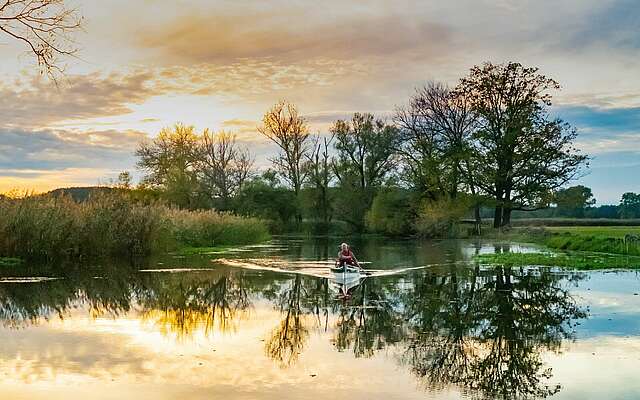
(81,194)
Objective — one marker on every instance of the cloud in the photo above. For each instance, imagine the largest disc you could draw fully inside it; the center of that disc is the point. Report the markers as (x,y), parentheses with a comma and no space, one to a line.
(292,32)
(58,149)
(35,102)
(616,24)
(604,130)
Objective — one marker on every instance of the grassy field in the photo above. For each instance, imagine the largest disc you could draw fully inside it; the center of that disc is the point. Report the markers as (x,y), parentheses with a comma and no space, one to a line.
(597,231)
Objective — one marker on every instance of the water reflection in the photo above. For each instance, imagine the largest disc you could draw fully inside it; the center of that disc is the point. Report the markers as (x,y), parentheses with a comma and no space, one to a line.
(487,331)
(482,330)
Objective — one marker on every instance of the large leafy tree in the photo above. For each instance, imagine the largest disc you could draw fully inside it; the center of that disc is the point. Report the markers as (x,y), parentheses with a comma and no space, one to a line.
(524,154)
(170,161)
(630,205)
(573,201)
(366,151)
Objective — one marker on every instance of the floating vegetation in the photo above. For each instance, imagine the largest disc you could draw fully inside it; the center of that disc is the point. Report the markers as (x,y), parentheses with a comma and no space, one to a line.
(27,279)
(10,262)
(176,270)
(586,261)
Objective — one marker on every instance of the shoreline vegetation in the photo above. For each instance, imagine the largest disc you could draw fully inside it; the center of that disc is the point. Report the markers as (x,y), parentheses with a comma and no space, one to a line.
(621,240)
(45,228)
(574,260)
(579,247)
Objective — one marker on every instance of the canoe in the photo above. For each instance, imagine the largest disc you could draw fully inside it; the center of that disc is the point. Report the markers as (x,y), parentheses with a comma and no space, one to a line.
(348,269)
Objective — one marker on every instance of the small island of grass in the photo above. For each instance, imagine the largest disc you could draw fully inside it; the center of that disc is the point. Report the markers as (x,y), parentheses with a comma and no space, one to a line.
(582,261)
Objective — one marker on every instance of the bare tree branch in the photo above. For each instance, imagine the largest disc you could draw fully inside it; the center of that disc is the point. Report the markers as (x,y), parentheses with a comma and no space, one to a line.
(44,27)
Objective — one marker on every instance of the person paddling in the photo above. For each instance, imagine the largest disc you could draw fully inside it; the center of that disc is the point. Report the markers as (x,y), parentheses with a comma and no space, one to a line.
(346,256)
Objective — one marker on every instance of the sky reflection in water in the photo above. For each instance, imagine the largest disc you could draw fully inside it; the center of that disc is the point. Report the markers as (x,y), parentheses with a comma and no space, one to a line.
(452,330)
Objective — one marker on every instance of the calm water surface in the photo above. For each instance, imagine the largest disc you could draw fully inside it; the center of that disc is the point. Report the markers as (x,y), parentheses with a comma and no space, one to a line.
(270,322)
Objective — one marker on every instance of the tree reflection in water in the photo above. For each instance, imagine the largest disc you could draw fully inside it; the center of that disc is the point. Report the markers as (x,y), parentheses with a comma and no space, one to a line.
(287,340)
(481,329)
(183,306)
(488,333)
(369,321)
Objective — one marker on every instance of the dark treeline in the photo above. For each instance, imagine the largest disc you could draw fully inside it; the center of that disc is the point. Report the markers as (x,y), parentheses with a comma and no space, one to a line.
(444,156)
(578,202)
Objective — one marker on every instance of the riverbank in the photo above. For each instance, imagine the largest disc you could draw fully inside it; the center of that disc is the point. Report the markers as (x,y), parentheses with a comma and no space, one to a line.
(51,229)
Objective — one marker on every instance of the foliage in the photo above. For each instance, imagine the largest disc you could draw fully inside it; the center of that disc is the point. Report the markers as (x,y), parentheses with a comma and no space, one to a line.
(630,205)
(439,218)
(573,200)
(602,242)
(366,150)
(10,261)
(211,228)
(170,161)
(523,154)
(265,198)
(578,222)
(391,213)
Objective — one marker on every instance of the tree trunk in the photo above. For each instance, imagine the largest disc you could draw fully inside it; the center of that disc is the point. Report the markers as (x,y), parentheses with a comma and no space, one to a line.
(506,216)
(478,218)
(497,216)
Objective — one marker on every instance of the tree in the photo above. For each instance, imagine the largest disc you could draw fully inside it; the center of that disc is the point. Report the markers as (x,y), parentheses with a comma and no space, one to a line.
(124,180)
(436,130)
(573,201)
(44,27)
(223,166)
(524,155)
(289,131)
(320,176)
(366,150)
(170,161)
(265,198)
(630,205)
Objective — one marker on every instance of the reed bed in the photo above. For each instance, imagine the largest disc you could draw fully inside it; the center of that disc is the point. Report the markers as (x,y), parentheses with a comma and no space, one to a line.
(50,228)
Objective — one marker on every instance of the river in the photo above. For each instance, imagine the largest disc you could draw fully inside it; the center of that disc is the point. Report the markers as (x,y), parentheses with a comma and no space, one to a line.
(271,322)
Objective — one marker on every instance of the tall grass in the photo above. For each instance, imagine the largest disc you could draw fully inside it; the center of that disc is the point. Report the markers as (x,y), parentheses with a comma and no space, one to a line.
(211,228)
(51,228)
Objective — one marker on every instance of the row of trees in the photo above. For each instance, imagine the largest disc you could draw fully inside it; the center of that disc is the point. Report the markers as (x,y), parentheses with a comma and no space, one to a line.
(489,141)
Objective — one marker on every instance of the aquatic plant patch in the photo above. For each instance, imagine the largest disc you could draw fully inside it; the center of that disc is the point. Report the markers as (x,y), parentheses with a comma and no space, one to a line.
(584,261)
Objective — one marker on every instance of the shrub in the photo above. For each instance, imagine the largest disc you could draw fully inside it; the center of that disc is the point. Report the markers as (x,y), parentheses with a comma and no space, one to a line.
(390,213)
(439,218)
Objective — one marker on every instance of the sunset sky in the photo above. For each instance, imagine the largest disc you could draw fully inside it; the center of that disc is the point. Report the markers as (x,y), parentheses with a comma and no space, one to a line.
(147,64)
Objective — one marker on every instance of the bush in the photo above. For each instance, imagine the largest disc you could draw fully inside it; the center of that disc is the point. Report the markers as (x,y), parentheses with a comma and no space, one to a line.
(440,218)
(390,213)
